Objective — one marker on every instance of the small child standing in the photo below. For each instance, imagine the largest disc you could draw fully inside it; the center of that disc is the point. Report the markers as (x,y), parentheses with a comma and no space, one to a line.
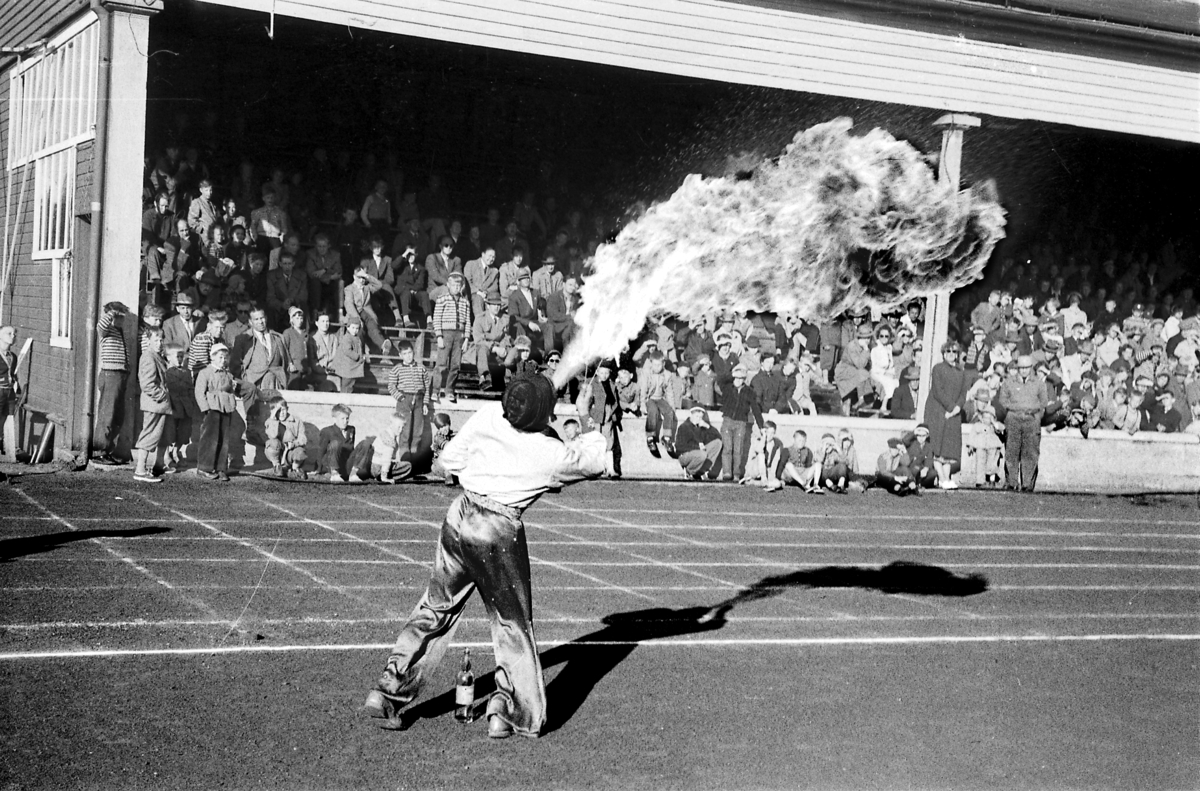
(704,383)
(155,402)
(409,383)
(389,448)
(152,317)
(337,451)
(627,392)
(285,441)
(185,414)
(216,392)
(442,434)
(348,365)
(982,443)
(451,322)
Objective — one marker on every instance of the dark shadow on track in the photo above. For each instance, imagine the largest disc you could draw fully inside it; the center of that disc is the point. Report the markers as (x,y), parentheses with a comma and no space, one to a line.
(593,656)
(13,548)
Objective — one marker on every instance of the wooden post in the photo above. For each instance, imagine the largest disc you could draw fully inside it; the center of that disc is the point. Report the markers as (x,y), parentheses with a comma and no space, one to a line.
(937,307)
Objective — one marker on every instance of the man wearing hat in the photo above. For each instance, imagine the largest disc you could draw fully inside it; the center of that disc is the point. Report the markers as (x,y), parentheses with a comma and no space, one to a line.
(451,320)
(1024,398)
(505,462)
(524,308)
(1164,417)
(741,413)
(599,409)
(699,446)
(723,364)
(852,374)
(438,266)
(185,324)
(490,343)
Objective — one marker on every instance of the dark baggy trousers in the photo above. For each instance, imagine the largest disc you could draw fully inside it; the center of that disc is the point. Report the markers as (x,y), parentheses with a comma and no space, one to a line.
(660,417)
(110,410)
(1021,450)
(479,547)
(449,360)
(213,454)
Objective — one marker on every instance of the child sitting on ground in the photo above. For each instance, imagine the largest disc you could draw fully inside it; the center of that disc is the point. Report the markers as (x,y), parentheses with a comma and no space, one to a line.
(336,450)
(442,434)
(185,414)
(857,481)
(388,448)
(800,467)
(833,467)
(767,459)
(893,470)
(285,441)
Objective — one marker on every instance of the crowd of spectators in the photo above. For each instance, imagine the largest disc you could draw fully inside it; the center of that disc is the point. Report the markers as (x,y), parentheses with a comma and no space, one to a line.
(300,271)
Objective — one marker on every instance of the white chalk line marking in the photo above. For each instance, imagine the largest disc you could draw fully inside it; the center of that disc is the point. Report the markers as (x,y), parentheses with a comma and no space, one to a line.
(534,560)
(604,587)
(693,643)
(270,556)
(124,559)
(172,623)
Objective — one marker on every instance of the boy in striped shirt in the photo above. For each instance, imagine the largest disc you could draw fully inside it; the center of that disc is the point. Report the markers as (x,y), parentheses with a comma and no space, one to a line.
(198,354)
(451,319)
(410,385)
(114,368)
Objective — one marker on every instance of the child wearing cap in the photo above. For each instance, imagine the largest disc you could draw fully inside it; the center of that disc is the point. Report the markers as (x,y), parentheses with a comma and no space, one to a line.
(349,357)
(286,440)
(490,343)
(704,383)
(627,392)
(451,321)
(920,456)
(337,452)
(409,383)
(505,462)
(699,445)
(217,392)
(295,342)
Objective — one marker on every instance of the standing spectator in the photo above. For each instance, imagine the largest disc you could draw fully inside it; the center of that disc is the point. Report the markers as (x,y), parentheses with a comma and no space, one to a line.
(438,266)
(599,409)
(286,289)
(185,414)
(943,414)
(483,280)
(981,441)
(741,412)
(451,320)
(114,368)
(699,446)
(269,223)
(409,383)
(295,345)
(10,388)
(203,212)
(770,386)
(920,456)
(1024,398)
(212,332)
(348,359)
(561,307)
(217,392)
(323,265)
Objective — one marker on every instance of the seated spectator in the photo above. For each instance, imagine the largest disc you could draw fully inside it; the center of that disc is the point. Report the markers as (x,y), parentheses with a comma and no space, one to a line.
(699,446)
(438,267)
(323,266)
(349,360)
(286,440)
(767,459)
(800,466)
(561,307)
(268,224)
(883,370)
(376,211)
(286,289)
(387,451)
(1163,417)
(893,470)
(770,386)
(627,392)
(337,451)
(834,474)
(442,434)
(483,280)
(921,456)
(852,374)
(360,310)
(904,402)
(322,348)
(509,272)
(508,245)
(654,397)
(546,279)
(525,311)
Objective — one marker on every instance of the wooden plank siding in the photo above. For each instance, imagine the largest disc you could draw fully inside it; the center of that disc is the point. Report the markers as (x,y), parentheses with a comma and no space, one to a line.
(24,21)
(778,48)
(55,375)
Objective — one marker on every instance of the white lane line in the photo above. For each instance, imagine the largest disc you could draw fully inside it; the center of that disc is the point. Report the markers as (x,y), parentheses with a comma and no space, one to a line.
(534,560)
(125,559)
(732,619)
(347,536)
(270,556)
(602,587)
(694,643)
(924,517)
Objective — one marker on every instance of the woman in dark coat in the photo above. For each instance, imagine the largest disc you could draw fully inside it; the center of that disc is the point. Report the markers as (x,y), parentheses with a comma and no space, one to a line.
(943,414)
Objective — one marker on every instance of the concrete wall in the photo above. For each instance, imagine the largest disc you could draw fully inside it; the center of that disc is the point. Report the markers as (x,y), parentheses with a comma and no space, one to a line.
(1107,462)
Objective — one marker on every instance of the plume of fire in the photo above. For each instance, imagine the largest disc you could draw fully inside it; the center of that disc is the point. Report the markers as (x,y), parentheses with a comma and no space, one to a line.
(838,221)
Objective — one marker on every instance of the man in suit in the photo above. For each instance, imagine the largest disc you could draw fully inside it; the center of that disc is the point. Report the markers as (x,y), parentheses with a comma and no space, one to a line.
(323,266)
(560,314)
(483,280)
(285,288)
(438,267)
(510,243)
(203,213)
(524,310)
(185,324)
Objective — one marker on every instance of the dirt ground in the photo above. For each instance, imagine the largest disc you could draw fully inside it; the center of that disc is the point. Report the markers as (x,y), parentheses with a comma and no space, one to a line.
(199,635)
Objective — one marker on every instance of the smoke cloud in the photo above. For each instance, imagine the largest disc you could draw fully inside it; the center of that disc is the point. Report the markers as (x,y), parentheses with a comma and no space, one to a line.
(838,221)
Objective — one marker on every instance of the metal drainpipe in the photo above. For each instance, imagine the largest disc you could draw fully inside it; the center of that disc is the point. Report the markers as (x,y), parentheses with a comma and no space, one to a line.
(96,230)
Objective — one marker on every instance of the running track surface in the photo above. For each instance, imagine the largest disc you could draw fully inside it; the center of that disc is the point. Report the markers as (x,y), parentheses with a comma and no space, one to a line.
(198,635)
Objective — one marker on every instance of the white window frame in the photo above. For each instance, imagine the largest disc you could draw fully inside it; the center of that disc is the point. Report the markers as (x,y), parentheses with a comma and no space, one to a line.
(52,96)
(54,211)
(61,293)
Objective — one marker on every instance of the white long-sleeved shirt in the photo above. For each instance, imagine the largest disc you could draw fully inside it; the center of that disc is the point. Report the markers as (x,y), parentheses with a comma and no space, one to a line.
(514,468)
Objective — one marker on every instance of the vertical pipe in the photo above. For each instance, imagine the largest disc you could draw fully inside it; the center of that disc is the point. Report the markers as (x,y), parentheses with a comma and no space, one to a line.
(96,236)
